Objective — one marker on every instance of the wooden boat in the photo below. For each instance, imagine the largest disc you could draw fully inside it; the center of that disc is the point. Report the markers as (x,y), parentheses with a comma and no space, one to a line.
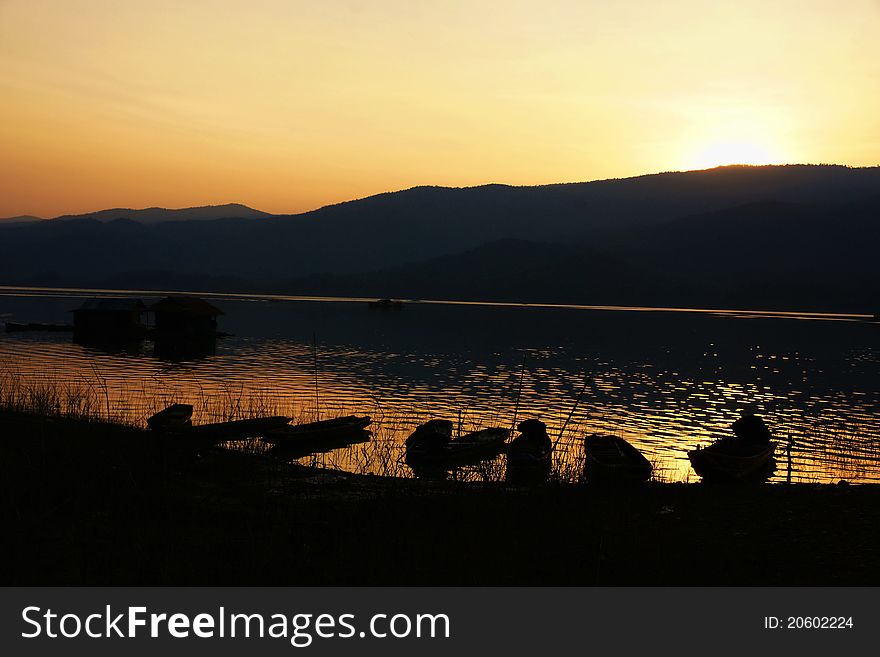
(297,450)
(529,456)
(433,432)
(612,459)
(211,434)
(469,448)
(318,432)
(732,458)
(176,416)
(528,463)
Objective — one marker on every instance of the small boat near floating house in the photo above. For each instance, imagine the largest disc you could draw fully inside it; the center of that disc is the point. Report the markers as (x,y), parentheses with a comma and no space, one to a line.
(385,304)
(19,327)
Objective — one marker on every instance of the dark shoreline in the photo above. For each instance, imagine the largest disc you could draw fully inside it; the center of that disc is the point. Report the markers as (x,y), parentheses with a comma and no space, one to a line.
(94,503)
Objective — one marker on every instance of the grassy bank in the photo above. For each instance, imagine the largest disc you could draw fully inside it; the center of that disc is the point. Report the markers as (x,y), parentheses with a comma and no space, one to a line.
(89,502)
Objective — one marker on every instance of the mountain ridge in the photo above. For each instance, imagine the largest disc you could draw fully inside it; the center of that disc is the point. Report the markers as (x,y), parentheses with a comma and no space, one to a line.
(240,210)
(662,227)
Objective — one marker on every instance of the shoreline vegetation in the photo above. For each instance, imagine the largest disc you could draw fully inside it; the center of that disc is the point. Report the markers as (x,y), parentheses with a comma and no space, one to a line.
(87,500)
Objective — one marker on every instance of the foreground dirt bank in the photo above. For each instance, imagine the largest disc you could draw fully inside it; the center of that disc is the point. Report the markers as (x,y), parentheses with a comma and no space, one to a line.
(92,503)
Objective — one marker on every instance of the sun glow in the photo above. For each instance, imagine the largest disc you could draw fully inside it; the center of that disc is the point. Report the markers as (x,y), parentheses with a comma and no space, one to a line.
(732,152)
(302,104)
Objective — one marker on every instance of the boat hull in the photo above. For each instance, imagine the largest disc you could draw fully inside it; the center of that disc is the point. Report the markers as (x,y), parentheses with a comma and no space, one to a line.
(527,466)
(611,459)
(175,417)
(321,430)
(323,436)
(470,448)
(729,460)
(206,435)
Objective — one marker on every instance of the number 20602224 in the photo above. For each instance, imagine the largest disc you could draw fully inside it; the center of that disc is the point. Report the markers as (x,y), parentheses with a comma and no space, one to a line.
(808,622)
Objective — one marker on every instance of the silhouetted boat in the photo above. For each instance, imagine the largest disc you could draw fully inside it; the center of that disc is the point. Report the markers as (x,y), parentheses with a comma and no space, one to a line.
(176,416)
(612,459)
(299,449)
(432,432)
(323,430)
(529,455)
(732,458)
(203,435)
(528,464)
(385,304)
(469,448)
(316,437)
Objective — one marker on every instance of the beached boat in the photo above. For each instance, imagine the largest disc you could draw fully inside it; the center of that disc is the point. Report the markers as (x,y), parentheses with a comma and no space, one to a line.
(528,462)
(176,416)
(612,459)
(297,450)
(469,448)
(732,458)
(529,456)
(317,432)
(203,435)
(432,432)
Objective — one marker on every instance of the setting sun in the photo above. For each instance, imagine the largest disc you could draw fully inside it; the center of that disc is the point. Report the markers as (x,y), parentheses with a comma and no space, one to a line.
(732,152)
(299,104)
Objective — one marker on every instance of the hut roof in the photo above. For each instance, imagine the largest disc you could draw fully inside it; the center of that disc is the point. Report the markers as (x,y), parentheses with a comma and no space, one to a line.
(113,305)
(193,306)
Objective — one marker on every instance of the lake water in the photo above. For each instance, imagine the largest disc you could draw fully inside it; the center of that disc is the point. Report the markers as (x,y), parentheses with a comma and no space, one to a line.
(667,381)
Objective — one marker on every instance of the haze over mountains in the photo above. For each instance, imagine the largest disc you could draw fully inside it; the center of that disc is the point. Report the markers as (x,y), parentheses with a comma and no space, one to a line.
(778,237)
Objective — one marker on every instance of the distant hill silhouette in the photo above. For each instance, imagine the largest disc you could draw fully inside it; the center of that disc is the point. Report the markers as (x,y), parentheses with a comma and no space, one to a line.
(777,236)
(160,215)
(24,218)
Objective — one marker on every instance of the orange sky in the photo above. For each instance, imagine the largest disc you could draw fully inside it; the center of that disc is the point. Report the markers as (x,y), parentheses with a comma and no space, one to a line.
(287,105)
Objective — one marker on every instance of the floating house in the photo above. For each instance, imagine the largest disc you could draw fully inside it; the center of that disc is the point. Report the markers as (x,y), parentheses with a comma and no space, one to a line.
(185,315)
(110,318)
